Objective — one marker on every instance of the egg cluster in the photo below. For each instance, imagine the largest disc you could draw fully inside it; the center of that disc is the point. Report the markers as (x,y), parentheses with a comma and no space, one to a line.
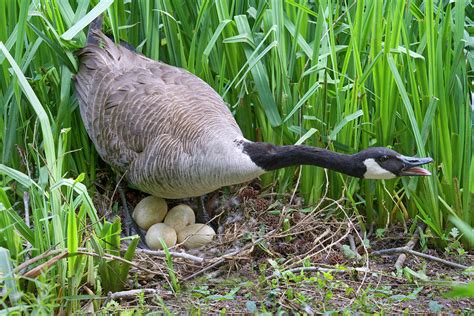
(176,226)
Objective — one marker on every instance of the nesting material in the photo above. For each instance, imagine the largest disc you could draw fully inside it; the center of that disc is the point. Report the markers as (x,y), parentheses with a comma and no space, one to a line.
(160,231)
(251,233)
(149,211)
(180,216)
(195,235)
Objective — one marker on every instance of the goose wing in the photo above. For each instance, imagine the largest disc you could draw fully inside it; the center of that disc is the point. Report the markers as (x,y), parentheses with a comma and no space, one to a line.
(132,105)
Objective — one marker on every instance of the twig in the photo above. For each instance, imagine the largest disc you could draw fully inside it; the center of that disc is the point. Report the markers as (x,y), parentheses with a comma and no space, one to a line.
(215,264)
(310,253)
(33,273)
(29,262)
(352,244)
(161,253)
(127,215)
(88,308)
(223,258)
(26,203)
(296,186)
(80,251)
(85,251)
(367,261)
(118,180)
(419,254)
(315,208)
(134,293)
(410,244)
(313,269)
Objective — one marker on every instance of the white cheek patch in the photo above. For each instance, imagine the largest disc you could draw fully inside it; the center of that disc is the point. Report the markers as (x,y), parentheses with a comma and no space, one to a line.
(374,171)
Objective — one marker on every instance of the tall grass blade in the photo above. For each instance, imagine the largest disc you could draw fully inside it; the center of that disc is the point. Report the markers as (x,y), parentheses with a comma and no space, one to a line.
(10,286)
(101,7)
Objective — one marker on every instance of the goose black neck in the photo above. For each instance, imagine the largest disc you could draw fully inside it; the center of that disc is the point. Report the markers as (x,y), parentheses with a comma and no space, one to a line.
(270,157)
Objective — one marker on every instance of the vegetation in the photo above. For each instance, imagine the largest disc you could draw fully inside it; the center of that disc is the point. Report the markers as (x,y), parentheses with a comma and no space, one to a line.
(339,74)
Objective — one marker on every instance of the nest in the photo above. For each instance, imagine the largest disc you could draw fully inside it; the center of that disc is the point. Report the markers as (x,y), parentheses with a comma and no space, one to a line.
(253,228)
(262,238)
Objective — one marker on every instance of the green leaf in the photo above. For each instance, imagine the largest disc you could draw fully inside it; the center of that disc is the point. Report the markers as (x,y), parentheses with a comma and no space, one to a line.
(467,230)
(87,19)
(343,123)
(303,100)
(129,254)
(462,291)
(214,37)
(7,277)
(251,307)
(72,240)
(407,104)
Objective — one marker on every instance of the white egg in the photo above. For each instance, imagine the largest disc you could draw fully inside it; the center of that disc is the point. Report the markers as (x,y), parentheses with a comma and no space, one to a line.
(160,231)
(180,216)
(149,211)
(195,235)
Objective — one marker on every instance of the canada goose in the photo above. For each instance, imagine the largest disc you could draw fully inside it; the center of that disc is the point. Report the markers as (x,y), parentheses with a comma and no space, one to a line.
(173,136)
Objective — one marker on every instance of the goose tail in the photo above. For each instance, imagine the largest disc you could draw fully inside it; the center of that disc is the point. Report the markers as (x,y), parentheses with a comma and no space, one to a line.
(94,27)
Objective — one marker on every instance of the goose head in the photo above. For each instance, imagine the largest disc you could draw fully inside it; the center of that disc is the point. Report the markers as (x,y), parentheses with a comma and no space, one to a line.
(384,163)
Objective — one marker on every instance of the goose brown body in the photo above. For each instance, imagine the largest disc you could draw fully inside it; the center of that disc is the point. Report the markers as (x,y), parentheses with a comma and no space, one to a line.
(173,136)
(167,130)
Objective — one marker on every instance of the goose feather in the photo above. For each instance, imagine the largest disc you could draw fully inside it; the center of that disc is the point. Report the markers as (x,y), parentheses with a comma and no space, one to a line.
(166,129)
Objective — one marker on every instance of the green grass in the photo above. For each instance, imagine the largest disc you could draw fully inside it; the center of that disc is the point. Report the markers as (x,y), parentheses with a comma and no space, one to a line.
(336,74)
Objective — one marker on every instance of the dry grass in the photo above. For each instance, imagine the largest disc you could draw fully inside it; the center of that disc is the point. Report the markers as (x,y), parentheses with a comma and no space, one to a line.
(258,253)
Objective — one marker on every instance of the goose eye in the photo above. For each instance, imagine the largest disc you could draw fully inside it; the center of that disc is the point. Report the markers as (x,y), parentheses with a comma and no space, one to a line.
(384,158)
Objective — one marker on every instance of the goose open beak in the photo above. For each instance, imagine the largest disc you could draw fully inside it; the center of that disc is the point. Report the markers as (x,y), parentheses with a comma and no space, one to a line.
(411,166)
